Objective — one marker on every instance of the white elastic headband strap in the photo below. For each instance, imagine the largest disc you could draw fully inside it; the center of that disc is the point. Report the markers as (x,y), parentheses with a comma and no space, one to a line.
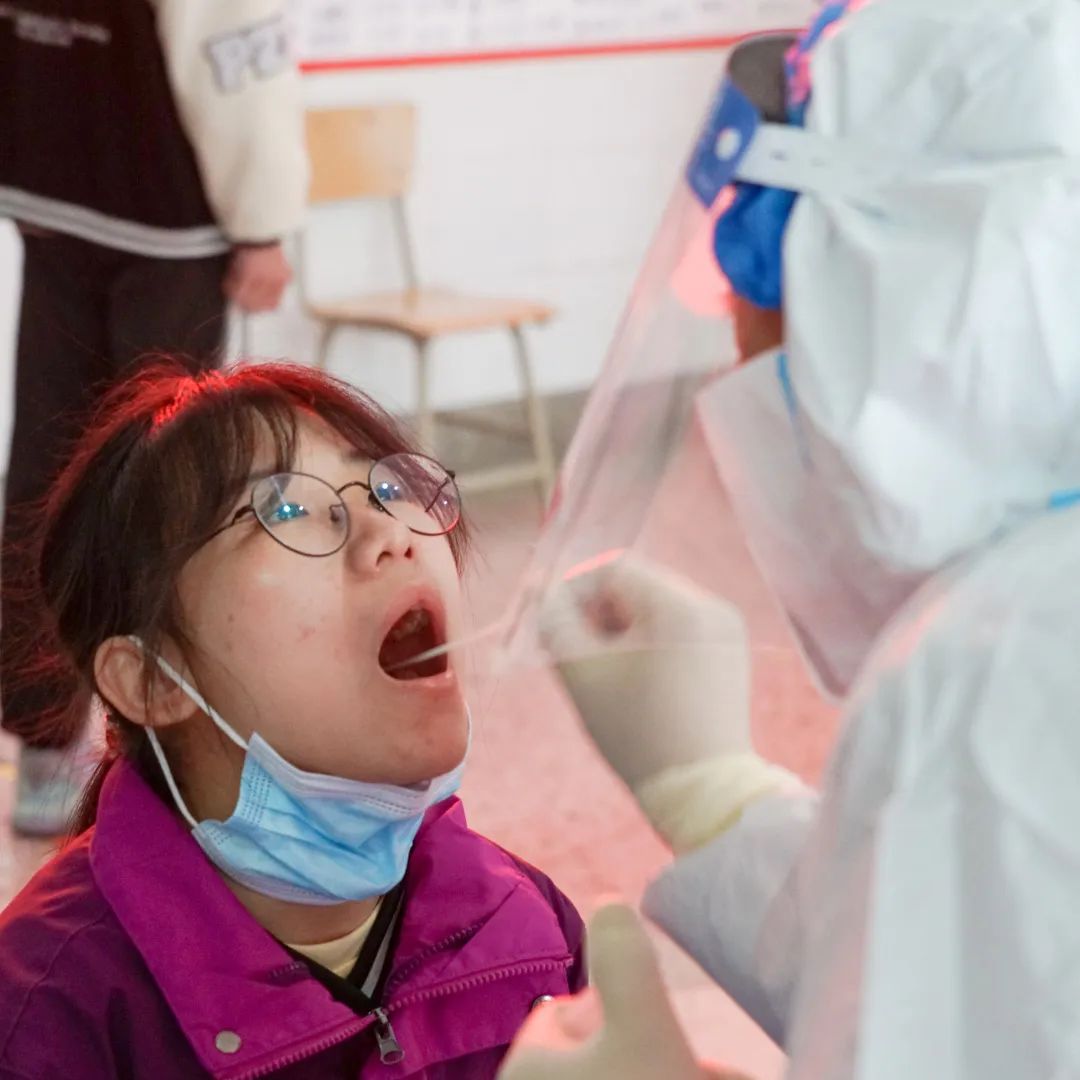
(792,158)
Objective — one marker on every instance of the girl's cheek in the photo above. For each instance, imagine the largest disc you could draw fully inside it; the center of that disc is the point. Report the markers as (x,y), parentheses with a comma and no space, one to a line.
(255,610)
(269,579)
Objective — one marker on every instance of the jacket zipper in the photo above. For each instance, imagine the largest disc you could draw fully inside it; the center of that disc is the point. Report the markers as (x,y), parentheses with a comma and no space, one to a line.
(356,1027)
(339,1036)
(405,971)
(528,967)
(397,1054)
(390,1050)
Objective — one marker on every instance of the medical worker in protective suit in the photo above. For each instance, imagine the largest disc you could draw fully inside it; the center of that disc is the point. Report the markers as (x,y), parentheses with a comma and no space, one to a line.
(902,451)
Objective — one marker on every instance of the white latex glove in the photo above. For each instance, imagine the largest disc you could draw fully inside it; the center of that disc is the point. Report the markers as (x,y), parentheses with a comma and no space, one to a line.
(658,669)
(623,1030)
(660,672)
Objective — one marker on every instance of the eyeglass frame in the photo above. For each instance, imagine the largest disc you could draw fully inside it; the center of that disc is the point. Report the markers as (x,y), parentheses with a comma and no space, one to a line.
(373,502)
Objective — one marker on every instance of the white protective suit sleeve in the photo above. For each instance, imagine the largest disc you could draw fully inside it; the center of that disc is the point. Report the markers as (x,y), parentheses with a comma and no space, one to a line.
(733,906)
(238,94)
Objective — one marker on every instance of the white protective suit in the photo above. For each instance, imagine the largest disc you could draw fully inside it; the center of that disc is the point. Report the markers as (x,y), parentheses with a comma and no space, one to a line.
(904,486)
(903,472)
(920,919)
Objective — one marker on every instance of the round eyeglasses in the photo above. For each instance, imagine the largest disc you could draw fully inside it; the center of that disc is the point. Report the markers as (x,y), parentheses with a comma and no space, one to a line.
(309,516)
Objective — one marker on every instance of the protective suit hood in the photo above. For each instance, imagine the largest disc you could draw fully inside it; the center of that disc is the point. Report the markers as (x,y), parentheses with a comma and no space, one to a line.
(929,392)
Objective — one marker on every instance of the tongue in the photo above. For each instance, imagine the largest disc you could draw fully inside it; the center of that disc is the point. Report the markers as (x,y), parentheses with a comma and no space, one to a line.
(399,648)
(395,653)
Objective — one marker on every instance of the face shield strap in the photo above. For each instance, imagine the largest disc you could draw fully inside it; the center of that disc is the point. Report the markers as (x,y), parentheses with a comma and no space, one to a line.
(737,144)
(725,138)
(793,159)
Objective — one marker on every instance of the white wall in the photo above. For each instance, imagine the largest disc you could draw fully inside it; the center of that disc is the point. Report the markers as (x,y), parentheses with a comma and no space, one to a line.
(541,178)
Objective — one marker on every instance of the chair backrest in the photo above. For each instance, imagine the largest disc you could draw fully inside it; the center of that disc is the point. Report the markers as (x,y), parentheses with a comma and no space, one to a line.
(362,152)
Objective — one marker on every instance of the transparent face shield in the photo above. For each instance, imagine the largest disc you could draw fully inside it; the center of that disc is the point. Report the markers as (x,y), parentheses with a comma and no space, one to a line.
(639,482)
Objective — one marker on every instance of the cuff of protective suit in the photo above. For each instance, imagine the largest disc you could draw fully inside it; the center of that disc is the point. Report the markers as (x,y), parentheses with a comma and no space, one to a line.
(691,805)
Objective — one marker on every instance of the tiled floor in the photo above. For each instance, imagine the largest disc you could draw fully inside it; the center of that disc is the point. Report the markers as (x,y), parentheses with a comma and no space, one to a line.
(536,786)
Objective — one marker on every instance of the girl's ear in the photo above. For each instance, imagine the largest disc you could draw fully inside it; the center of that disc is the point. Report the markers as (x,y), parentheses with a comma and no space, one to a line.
(119,666)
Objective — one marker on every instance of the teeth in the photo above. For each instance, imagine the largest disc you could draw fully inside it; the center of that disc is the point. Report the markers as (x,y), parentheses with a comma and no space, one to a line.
(409,625)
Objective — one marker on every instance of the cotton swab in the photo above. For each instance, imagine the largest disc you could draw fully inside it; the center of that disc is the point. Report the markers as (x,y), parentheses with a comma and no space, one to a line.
(451,646)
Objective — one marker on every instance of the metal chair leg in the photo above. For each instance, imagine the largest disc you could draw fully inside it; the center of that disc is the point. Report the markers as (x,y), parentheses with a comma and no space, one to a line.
(425,418)
(245,335)
(539,429)
(322,351)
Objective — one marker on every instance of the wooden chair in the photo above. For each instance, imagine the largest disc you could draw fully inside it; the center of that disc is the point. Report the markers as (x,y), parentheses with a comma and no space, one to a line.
(367,153)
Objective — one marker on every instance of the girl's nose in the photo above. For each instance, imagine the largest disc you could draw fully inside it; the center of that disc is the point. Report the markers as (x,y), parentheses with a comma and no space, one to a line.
(376,537)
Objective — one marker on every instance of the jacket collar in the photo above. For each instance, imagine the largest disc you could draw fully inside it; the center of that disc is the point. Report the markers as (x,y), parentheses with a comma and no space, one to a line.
(221,972)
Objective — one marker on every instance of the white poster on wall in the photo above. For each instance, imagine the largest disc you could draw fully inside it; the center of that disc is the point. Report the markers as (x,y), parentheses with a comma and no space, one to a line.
(374,30)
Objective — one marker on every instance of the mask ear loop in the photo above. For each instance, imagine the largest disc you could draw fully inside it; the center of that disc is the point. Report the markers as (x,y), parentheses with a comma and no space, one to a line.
(155,743)
(167,772)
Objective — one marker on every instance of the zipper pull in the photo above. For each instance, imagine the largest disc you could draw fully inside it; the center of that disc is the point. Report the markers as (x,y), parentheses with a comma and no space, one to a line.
(390,1052)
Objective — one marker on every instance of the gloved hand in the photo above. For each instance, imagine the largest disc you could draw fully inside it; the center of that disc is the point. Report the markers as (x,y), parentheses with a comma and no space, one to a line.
(637,1037)
(660,672)
(658,669)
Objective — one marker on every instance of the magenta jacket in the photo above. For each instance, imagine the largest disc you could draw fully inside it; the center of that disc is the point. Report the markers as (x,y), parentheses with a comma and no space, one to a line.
(127,956)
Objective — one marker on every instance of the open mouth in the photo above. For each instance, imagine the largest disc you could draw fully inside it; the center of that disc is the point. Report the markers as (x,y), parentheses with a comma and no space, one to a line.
(417,632)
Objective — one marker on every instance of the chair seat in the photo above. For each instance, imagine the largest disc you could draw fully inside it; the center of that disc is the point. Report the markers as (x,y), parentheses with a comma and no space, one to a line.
(428,313)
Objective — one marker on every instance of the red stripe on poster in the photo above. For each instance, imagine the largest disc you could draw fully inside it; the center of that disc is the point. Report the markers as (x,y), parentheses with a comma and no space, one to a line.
(501,55)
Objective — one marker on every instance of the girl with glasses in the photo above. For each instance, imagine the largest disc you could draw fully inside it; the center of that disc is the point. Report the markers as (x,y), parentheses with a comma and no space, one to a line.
(271,875)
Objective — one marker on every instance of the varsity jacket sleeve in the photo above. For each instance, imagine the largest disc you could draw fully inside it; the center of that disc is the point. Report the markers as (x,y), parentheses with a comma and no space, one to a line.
(238,94)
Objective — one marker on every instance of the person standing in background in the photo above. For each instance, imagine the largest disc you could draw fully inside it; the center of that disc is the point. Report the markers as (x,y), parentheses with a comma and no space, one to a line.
(152,156)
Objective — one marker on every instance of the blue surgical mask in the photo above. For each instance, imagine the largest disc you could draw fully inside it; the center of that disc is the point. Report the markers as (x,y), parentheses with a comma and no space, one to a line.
(305,837)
